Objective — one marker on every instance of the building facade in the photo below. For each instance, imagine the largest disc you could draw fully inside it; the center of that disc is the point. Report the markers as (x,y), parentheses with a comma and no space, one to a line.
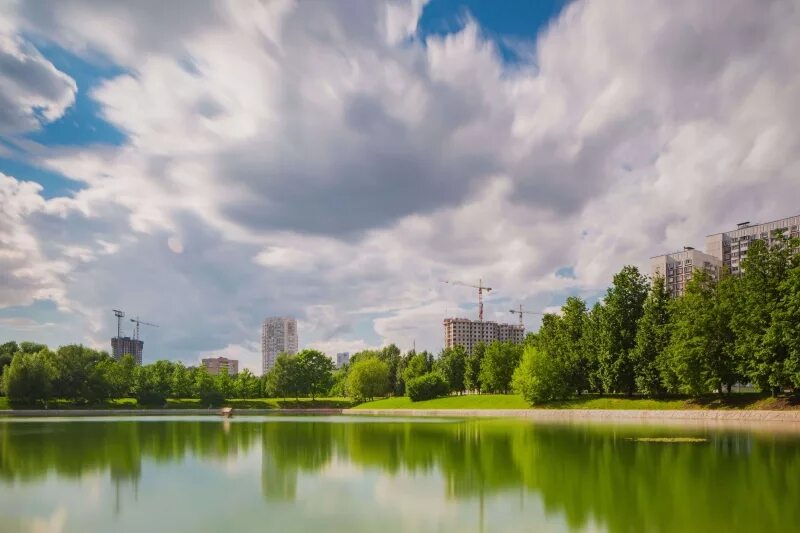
(677,268)
(342,358)
(124,346)
(216,365)
(731,246)
(468,333)
(278,335)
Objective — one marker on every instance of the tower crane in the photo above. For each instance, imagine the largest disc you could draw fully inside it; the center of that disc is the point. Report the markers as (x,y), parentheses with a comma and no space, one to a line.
(520,312)
(138,323)
(480,286)
(119,314)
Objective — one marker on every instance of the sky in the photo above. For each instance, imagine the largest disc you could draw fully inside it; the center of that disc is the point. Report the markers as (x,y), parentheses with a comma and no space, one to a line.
(207,164)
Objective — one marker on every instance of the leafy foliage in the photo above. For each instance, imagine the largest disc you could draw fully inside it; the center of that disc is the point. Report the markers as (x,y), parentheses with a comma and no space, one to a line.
(540,378)
(367,379)
(426,387)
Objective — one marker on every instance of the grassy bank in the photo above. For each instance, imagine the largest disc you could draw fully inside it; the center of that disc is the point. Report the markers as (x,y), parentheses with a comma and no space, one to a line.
(193,403)
(511,401)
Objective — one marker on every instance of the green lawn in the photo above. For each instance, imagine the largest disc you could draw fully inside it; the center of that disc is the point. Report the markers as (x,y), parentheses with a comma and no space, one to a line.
(468,401)
(193,403)
(512,401)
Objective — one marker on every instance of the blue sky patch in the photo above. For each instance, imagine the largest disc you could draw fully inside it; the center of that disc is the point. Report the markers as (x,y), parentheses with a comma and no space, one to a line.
(505,23)
(81,124)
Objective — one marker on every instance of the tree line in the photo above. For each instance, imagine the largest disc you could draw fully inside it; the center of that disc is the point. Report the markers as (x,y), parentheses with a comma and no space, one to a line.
(720,332)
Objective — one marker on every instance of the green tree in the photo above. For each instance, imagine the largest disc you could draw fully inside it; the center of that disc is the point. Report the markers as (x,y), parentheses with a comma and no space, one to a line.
(338,380)
(452,365)
(284,378)
(786,324)
(428,386)
(472,371)
(391,356)
(29,377)
(182,382)
(591,343)
(246,385)
(224,384)
(700,353)
(570,335)
(205,387)
(79,374)
(7,351)
(418,364)
(652,339)
(315,369)
(763,354)
(540,378)
(623,307)
(498,366)
(367,379)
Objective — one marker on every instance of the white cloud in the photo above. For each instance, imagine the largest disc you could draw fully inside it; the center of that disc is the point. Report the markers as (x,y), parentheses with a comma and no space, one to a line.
(309,162)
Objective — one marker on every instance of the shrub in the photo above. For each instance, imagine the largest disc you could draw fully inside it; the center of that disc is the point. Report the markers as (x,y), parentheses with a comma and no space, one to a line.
(426,387)
(212,398)
(539,377)
(151,398)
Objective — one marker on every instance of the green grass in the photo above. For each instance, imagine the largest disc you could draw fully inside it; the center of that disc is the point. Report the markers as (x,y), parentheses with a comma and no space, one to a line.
(511,401)
(193,403)
(468,401)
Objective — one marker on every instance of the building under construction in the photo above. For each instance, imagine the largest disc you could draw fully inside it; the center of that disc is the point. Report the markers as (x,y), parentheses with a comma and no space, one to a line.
(121,346)
(125,345)
(467,333)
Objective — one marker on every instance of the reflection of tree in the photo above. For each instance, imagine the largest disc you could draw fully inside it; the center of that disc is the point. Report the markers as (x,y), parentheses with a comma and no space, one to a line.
(31,450)
(588,473)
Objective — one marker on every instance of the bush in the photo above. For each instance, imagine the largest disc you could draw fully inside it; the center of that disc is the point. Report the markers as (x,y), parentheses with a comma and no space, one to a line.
(212,398)
(426,387)
(539,377)
(151,398)
(367,378)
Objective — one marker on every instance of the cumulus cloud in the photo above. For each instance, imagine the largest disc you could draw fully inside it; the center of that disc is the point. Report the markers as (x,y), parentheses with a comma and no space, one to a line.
(32,90)
(324,160)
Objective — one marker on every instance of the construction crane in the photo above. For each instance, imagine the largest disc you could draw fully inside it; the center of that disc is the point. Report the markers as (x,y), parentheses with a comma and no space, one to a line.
(480,286)
(520,312)
(119,314)
(138,323)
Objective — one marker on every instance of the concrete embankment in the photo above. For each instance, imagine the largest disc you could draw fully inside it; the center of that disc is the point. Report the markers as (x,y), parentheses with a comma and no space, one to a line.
(161,412)
(593,414)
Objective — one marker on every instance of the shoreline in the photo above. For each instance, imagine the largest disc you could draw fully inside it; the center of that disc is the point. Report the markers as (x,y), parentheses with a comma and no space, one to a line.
(637,415)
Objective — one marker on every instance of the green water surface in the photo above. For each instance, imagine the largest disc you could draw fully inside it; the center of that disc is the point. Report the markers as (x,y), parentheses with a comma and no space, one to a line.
(333,474)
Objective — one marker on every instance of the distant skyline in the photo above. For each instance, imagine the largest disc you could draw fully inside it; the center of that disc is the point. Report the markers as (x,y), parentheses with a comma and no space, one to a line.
(207,164)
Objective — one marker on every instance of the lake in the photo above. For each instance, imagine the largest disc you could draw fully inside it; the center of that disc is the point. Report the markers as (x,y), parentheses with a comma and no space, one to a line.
(355,474)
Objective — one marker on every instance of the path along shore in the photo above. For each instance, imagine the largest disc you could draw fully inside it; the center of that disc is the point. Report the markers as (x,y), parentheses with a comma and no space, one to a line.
(633,415)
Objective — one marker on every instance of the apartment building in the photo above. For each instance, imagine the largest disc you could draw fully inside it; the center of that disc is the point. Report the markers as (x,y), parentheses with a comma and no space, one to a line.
(127,346)
(731,246)
(677,268)
(217,365)
(468,333)
(278,335)
(342,358)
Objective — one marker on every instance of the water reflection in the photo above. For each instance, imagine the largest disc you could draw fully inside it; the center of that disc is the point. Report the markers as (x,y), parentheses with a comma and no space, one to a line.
(587,475)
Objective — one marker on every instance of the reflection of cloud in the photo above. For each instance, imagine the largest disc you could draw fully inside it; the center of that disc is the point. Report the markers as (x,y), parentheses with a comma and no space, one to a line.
(52,524)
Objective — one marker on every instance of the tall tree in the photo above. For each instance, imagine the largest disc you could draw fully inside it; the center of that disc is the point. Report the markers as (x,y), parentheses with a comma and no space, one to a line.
(472,380)
(652,339)
(786,324)
(452,366)
(367,378)
(315,370)
(283,379)
(591,344)
(570,335)
(765,269)
(623,307)
(29,377)
(498,366)
(391,356)
(700,353)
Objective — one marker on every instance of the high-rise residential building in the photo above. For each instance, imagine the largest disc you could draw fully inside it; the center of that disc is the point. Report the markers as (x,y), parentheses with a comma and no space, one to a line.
(731,246)
(127,346)
(342,358)
(278,335)
(677,268)
(216,365)
(467,333)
